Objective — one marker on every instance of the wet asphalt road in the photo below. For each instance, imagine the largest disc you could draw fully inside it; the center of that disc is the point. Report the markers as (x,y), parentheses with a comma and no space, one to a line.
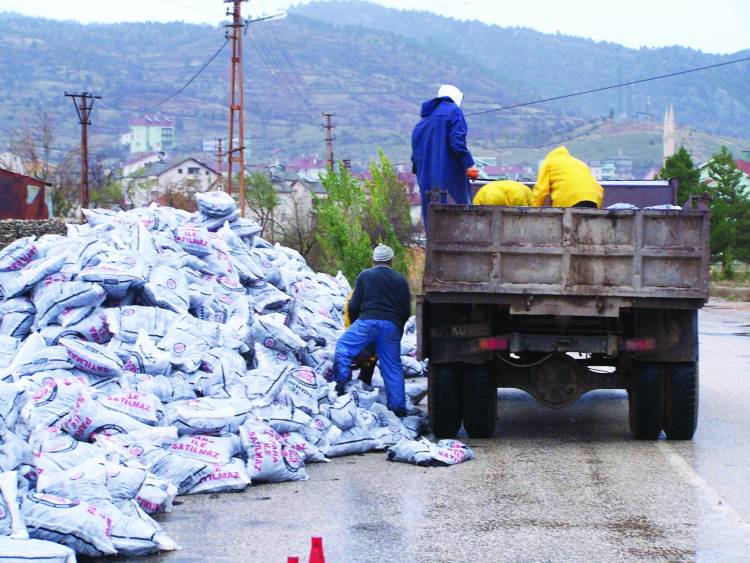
(553,485)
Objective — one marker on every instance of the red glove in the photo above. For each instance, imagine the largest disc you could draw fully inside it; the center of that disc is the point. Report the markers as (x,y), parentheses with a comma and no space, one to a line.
(472,173)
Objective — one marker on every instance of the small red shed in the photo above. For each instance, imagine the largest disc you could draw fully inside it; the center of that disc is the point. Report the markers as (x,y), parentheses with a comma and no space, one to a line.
(23,197)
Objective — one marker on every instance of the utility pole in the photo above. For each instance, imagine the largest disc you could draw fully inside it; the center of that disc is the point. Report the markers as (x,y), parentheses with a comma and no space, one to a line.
(236,103)
(84,113)
(219,161)
(329,127)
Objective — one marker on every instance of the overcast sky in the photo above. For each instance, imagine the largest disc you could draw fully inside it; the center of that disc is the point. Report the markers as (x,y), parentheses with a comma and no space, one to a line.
(719,26)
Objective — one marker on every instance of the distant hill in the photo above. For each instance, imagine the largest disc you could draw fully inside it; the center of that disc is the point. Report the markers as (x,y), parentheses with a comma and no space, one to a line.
(370,65)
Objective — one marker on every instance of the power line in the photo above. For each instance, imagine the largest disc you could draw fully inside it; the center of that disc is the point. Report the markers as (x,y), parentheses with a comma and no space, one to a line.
(611,87)
(285,56)
(189,82)
(274,67)
(190,7)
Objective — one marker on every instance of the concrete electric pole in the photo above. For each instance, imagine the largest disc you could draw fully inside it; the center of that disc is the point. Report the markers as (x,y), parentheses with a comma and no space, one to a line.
(329,127)
(219,162)
(83,108)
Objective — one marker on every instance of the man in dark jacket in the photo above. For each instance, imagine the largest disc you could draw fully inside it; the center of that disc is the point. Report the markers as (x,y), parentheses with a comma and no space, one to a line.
(440,158)
(379,308)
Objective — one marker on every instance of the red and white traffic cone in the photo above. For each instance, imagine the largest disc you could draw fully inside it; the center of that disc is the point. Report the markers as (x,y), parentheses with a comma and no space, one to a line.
(316,551)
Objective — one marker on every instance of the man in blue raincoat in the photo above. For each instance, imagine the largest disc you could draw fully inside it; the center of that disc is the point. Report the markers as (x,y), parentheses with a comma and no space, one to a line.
(440,158)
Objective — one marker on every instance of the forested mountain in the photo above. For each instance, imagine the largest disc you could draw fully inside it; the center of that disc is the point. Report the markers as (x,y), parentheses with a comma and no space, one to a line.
(370,65)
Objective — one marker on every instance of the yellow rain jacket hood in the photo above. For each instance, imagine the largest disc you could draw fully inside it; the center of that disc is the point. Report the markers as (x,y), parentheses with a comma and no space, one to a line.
(504,192)
(566,180)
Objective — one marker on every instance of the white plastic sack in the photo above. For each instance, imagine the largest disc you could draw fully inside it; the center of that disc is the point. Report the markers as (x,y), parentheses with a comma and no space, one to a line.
(16,317)
(215,203)
(156,495)
(123,482)
(224,477)
(267,458)
(135,533)
(18,254)
(194,240)
(89,416)
(355,440)
(143,407)
(11,522)
(24,551)
(283,418)
(425,453)
(92,358)
(86,482)
(211,449)
(168,288)
(81,526)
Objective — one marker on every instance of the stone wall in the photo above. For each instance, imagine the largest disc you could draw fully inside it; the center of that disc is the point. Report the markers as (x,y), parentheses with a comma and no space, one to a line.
(12,229)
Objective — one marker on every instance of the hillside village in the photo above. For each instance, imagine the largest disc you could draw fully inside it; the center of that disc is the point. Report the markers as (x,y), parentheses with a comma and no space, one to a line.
(154,168)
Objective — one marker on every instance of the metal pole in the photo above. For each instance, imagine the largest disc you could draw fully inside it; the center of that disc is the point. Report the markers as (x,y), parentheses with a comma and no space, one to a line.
(236,106)
(84,155)
(241,115)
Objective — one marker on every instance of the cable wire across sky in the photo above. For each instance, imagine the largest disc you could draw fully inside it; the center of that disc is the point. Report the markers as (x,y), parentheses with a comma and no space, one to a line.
(189,82)
(610,87)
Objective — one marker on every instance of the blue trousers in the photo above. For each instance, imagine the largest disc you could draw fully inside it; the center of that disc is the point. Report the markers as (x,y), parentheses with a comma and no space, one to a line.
(386,337)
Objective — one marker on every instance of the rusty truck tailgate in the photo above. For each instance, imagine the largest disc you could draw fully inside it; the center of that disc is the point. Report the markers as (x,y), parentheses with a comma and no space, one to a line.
(640,253)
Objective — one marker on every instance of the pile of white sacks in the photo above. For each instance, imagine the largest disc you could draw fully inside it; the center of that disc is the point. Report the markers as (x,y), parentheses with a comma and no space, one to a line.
(153,353)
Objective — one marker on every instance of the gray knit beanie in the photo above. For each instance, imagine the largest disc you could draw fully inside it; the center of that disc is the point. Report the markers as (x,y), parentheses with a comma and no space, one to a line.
(382,253)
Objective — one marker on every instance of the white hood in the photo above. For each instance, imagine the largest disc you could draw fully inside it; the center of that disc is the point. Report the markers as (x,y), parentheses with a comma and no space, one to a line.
(450,91)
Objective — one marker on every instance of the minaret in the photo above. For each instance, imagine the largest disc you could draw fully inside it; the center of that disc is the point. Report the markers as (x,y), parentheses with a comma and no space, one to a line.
(669,134)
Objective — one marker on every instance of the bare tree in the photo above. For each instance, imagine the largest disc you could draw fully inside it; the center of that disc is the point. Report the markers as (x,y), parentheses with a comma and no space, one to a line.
(178,195)
(34,143)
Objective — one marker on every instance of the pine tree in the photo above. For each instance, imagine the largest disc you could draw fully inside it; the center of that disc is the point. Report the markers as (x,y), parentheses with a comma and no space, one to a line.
(730,209)
(680,166)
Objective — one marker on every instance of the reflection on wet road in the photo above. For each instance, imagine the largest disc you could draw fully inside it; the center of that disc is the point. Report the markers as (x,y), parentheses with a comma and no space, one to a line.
(553,485)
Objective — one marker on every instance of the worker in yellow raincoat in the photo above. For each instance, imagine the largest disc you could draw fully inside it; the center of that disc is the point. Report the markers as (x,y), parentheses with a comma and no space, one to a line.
(504,192)
(567,181)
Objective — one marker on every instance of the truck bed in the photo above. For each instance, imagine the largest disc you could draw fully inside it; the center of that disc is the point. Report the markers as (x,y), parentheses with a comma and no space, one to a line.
(642,253)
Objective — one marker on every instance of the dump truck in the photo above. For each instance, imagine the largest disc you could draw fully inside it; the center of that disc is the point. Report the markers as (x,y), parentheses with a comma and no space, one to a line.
(558,302)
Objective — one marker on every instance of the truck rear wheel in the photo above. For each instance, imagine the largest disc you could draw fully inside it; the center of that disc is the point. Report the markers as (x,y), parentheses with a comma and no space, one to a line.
(444,393)
(681,401)
(646,401)
(480,401)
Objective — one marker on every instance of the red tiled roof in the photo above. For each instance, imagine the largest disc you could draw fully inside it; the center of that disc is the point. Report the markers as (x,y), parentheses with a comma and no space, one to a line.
(305,161)
(152,121)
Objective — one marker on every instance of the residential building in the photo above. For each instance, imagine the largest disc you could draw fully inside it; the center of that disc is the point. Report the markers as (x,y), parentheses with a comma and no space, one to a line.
(152,133)
(743,163)
(140,160)
(618,168)
(13,162)
(24,197)
(602,169)
(187,175)
(212,145)
(308,167)
(508,171)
